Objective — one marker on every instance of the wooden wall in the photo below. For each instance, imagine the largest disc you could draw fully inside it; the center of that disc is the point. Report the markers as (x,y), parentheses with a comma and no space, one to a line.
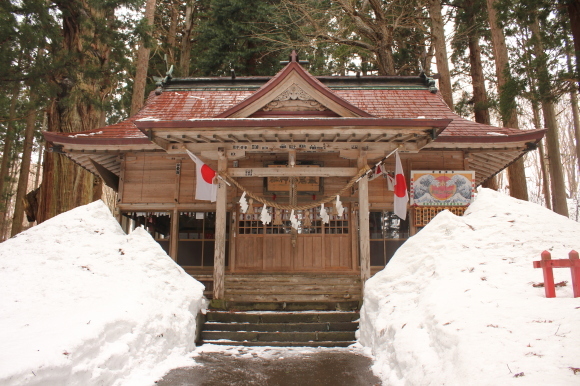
(150,178)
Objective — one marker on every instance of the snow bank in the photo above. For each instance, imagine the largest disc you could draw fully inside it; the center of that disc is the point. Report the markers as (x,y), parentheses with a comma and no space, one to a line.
(81,303)
(456,304)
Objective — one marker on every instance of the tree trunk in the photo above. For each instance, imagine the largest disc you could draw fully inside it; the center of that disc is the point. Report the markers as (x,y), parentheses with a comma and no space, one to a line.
(64,184)
(185,55)
(438,38)
(542,154)
(385,60)
(138,97)
(559,203)
(516,171)
(8,138)
(24,173)
(172,35)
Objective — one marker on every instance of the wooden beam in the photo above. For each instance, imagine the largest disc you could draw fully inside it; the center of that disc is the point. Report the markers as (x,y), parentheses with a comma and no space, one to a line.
(297,171)
(220,231)
(110,178)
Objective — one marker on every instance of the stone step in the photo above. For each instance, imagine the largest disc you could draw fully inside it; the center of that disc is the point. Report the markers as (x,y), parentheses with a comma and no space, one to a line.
(281,344)
(341,305)
(253,336)
(281,327)
(281,317)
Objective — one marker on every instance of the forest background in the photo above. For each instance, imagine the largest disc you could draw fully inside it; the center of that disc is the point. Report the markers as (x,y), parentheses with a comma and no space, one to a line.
(75,65)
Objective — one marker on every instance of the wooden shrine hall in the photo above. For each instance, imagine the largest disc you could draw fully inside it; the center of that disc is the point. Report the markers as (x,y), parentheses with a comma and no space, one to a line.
(291,142)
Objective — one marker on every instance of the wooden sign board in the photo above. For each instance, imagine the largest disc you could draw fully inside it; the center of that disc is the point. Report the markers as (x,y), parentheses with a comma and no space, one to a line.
(305,184)
(442,187)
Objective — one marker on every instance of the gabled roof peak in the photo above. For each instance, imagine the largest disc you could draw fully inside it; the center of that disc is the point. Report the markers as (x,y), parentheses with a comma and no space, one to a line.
(293,76)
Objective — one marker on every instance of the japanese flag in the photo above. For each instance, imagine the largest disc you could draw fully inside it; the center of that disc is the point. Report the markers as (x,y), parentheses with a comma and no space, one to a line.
(378,171)
(205,189)
(401,195)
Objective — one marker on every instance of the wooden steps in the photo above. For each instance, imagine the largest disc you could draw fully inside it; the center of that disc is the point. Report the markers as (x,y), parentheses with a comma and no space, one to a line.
(292,329)
(292,288)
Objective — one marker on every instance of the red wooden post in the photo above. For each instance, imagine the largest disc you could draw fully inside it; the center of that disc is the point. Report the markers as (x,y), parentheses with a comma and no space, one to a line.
(548,275)
(575,270)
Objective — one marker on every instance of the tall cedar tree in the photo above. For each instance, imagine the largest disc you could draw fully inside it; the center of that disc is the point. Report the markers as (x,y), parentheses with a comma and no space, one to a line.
(537,17)
(92,50)
(391,34)
(508,90)
(471,27)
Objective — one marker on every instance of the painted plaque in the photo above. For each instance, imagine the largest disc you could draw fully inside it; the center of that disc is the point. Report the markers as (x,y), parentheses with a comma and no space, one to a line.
(442,188)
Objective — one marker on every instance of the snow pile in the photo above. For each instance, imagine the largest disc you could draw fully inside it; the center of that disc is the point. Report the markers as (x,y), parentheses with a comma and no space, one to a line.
(456,305)
(82,303)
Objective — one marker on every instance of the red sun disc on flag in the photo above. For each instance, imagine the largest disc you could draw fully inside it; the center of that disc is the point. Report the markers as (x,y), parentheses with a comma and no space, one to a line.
(207,174)
(400,186)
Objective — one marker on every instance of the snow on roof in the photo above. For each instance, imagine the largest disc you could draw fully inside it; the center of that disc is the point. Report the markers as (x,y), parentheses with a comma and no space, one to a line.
(83,303)
(457,304)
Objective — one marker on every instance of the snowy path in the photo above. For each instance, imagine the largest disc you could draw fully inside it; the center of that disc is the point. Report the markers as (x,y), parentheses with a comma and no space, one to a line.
(274,366)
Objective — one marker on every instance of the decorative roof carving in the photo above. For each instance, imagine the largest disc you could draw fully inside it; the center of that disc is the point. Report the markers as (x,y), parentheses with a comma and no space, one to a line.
(294,99)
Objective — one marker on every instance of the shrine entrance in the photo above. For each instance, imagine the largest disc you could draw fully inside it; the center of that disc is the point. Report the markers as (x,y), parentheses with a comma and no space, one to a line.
(313,247)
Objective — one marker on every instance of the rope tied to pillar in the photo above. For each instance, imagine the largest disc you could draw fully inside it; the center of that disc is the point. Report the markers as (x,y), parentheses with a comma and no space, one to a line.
(364,170)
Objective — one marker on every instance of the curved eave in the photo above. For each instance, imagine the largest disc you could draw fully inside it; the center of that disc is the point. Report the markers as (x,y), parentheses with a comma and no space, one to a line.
(93,140)
(533,136)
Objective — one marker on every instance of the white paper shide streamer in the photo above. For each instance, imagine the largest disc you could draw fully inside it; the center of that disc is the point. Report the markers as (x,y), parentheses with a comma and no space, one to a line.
(324,214)
(339,207)
(265,217)
(293,220)
(243,203)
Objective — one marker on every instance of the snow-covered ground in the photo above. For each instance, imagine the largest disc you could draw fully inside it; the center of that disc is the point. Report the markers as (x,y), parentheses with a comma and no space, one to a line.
(81,303)
(457,305)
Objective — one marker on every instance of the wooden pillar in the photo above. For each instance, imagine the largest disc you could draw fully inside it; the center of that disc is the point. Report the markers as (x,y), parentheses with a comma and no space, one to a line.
(220,231)
(174,235)
(364,236)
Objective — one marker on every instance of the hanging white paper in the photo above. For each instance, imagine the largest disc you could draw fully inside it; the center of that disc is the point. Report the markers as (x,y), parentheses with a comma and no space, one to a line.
(324,215)
(265,217)
(339,207)
(243,203)
(293,220)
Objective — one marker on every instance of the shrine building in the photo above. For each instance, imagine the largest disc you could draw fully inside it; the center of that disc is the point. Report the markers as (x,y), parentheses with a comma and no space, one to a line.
(295,144)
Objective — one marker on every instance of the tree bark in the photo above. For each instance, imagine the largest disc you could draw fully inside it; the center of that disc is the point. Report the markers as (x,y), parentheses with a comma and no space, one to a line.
(438,37)
(185,55)
(24,173)
(8,138)
(516,171)
(64,184)
(138,97)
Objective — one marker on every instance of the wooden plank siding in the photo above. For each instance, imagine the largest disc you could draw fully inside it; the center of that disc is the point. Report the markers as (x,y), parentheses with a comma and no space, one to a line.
(148,180)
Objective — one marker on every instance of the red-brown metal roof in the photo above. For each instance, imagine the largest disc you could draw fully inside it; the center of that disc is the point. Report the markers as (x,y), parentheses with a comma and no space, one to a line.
(187,105)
